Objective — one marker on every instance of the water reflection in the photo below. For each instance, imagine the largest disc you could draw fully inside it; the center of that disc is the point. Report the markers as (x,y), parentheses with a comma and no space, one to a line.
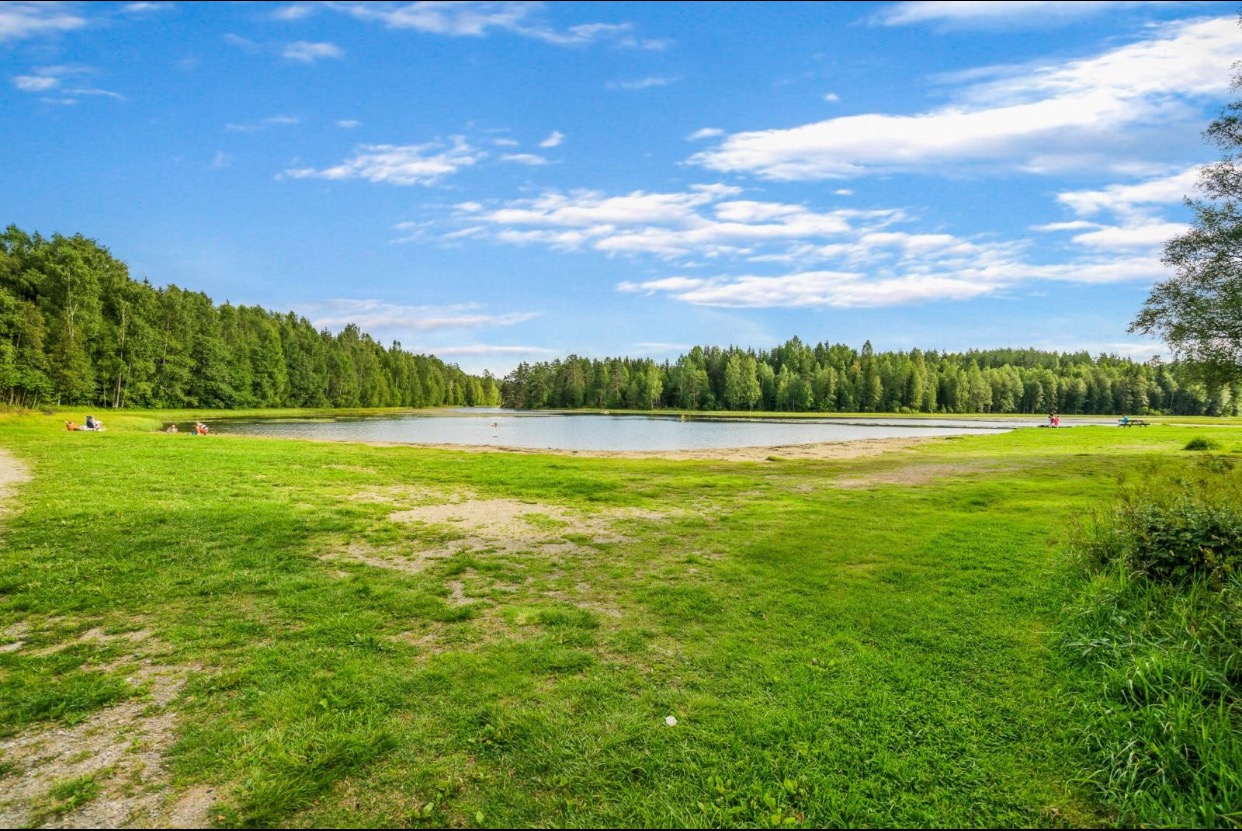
(556,431)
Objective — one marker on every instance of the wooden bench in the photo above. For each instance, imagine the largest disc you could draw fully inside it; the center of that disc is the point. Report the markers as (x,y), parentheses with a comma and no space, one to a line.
(1134,422)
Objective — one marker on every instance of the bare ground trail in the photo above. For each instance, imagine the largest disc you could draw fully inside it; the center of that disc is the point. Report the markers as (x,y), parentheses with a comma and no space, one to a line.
(120,748)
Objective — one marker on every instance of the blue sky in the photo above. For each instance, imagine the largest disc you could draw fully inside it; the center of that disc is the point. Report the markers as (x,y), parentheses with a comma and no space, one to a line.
(505,182)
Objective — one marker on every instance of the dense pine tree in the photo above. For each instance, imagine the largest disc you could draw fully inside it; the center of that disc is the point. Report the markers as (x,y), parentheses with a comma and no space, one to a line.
(75,328)
(795,377)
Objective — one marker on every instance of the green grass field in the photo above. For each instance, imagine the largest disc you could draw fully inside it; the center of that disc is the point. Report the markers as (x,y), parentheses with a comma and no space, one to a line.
(308,634)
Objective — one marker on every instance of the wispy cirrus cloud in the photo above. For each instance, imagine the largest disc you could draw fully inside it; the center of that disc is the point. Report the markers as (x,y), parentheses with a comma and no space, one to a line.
(393,164)
(1126,199)
(478,19)
(978,14)
(812,289)
(243,43)
(554,140)
(842,258)
(925,281)
(1129,216)
(484,350)
(296,11)
(379,315)
(528,159)
(145,7)
(305,51)
(22,20)
(1092,113)
(263,124)
(704,221)
(35,83)
(636,84)
(53,79)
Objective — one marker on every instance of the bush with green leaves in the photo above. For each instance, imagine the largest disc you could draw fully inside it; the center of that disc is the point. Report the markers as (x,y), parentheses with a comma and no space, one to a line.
(1202,443)
(1151,650)
(1174,530)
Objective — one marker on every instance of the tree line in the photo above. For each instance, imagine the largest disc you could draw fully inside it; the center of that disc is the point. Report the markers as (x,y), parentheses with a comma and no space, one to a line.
(796,377)
(76,329)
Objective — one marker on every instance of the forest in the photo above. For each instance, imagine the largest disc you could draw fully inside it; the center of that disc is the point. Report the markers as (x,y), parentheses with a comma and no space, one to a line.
(796,377)
(75,328)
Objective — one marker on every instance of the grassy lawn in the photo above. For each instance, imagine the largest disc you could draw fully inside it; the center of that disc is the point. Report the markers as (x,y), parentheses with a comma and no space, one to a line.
(345,635)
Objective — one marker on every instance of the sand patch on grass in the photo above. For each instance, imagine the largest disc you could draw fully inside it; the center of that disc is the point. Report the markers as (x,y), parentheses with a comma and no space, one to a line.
(824,450)
(407,559)
(398,495)
(511,522)
(463,523)
(121,748)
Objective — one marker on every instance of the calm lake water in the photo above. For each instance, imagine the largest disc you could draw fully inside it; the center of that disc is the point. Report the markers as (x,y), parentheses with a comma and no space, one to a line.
(510,428)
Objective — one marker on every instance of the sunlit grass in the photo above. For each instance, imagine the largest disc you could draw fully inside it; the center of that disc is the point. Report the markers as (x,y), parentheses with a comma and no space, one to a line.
(864,655)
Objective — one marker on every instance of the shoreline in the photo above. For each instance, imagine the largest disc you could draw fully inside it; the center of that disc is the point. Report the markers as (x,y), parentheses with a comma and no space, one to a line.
(850,449)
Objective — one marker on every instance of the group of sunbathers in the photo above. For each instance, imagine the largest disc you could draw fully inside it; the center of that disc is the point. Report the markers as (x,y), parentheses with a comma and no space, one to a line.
(200,429)
(92,424)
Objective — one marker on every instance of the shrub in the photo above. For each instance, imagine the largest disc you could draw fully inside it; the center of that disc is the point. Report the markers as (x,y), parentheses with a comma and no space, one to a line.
(1201,443)
(1150,651)
(1174,532)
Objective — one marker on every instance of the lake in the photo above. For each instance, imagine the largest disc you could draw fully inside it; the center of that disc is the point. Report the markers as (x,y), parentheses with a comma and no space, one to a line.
(559,431)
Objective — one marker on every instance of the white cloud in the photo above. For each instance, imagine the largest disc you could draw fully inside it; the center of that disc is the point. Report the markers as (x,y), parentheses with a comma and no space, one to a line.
(35,83)
(1134,208)
(48,78)
(21,20)
(1089,113)
(1135,350)
(91,92)
(348,124)
(308,52)
(832,98)
(842,258)
(486,349)
(411,164)
(707,220)
(1076,225)
(221,160)
(989,14)
(910,280)
(378,314)
(814,289)
(263,124)
(554,140)
(471,18)
(706,132)
(241,43)
(1146,235)
(528,159)
(1126,199)
(143,8)
(651,82)
(297,11)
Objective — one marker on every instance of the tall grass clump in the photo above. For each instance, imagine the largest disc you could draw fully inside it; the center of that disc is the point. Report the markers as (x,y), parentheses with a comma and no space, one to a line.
(1201,443)
(1151,649)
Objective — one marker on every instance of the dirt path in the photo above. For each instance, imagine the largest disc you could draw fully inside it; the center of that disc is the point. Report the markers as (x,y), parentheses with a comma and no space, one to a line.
(120,749)
(12,473)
